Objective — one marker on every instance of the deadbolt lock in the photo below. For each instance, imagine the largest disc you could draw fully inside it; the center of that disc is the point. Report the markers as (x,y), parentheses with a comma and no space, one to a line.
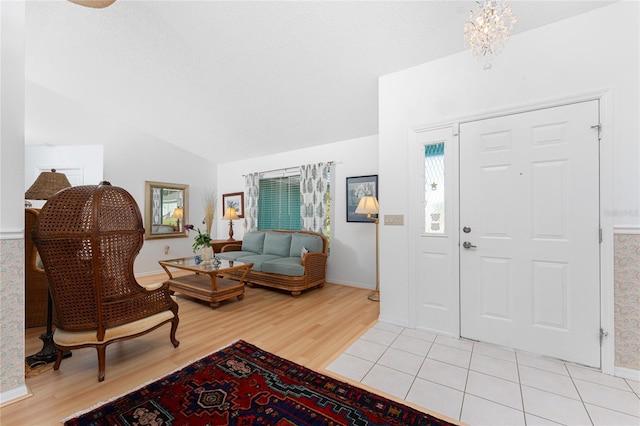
(466,229)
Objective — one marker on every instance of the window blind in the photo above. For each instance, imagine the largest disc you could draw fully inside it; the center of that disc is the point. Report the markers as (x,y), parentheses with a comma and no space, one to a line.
(279,203)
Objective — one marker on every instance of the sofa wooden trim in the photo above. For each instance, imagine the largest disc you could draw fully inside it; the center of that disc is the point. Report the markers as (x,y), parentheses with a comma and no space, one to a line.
(314,263)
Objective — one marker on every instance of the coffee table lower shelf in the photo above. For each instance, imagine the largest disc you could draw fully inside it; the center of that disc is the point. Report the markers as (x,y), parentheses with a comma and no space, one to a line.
(199,286)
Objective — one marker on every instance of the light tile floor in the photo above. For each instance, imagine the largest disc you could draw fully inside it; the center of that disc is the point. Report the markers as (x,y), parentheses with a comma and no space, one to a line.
(483,384)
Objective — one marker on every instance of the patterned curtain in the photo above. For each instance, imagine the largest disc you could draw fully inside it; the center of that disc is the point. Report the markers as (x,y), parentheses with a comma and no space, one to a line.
(314,196)
(251,193)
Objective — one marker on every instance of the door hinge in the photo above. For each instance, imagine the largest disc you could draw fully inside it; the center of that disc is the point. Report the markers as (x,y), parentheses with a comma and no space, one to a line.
(603,334)
(600,234)
(599,127)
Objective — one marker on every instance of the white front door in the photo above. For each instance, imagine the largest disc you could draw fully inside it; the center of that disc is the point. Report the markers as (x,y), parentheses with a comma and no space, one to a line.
(529,232)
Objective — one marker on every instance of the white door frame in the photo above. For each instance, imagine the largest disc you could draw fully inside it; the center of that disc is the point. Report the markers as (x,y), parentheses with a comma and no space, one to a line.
(415,218)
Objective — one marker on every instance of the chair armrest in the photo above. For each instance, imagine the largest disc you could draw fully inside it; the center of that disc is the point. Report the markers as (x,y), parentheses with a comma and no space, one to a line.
(315,265)
(231,247)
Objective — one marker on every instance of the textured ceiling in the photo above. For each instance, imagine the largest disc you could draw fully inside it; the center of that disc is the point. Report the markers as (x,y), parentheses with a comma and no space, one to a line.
(227,80)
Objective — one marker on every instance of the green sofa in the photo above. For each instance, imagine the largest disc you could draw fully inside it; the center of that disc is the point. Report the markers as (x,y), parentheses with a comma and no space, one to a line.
(288,260)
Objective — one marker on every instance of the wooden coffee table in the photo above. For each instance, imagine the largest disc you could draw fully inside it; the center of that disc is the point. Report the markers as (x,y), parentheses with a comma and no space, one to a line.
(206,283)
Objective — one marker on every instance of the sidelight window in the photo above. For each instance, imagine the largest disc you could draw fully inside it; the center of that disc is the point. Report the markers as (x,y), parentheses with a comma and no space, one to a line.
(434,218)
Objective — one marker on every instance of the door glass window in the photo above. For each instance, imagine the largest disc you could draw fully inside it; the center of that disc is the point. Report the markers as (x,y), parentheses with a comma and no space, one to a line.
(434,220)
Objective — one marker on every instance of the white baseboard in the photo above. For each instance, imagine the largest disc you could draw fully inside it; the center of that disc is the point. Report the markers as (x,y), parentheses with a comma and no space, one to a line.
(392,320)
(627,373)
(14,395)
(349,283)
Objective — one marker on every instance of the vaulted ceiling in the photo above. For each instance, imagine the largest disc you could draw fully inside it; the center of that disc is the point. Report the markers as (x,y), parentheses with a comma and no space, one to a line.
(230,79)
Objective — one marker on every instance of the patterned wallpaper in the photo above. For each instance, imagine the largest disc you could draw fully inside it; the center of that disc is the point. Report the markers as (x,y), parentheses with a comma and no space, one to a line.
(12,325)
(627,300)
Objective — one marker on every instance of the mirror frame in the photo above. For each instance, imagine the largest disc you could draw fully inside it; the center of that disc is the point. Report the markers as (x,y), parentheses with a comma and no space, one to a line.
(148,195)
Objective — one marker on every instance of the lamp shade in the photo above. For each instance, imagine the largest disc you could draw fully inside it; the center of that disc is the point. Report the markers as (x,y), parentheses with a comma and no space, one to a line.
(230,214)
(178,213)
(47,184)
(368,205)
(96,4)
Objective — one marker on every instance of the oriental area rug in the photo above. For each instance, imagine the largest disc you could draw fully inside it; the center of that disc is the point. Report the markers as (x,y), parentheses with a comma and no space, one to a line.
(245,385)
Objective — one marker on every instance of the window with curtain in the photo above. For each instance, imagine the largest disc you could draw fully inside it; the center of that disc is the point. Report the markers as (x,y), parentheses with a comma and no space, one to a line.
(279,203)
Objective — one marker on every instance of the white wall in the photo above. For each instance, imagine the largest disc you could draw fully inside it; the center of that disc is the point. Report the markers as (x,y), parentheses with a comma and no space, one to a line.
(134,158)
(12,381)
(131,157)
(352,257)
(12,115)
(597,51)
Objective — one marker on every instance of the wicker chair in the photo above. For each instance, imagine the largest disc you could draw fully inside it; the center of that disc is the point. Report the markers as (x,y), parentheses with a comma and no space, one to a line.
(88,238)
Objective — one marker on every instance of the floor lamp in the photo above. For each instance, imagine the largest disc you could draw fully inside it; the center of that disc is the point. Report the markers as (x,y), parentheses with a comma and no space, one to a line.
(47,184)
(369,205)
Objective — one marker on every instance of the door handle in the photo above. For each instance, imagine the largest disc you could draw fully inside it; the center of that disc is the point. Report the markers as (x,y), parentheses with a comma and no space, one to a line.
(468,245)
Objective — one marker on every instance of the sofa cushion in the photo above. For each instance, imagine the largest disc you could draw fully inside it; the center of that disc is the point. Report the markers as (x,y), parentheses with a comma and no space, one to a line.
(234,255)
(289,266)
(310,242)
(258,260)
(278,243)
(253,242)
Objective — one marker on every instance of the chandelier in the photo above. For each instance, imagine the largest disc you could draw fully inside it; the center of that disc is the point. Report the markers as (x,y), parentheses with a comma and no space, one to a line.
(488,29)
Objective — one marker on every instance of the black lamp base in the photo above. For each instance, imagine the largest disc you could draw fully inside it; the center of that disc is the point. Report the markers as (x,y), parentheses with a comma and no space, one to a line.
(47,354)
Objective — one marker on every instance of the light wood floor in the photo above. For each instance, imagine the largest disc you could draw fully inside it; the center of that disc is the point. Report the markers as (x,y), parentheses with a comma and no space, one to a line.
(311,330)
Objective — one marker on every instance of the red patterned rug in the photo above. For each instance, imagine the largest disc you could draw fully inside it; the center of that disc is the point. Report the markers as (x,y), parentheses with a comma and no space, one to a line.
(244,385)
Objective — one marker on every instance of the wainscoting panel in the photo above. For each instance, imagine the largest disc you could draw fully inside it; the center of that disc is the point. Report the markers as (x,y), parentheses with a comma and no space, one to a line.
(627,300)
(12,381)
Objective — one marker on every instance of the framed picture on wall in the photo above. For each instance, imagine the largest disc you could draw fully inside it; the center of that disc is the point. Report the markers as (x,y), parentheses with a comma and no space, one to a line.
(358,187)
(235,200)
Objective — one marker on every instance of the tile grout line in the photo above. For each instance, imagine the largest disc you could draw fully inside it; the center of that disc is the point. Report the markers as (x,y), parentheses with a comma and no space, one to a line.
(524,412)
(420,368)
(466,381)
(579,394)
(381,355)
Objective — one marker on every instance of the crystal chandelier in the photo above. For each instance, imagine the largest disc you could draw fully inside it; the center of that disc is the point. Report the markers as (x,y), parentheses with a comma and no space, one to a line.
(488,29)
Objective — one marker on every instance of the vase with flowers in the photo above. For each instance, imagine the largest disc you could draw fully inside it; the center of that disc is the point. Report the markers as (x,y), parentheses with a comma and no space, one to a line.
(201,242)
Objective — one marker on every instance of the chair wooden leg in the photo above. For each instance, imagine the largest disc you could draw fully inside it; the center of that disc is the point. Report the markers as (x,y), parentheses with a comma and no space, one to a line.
(174,328)
(101,361)
(58,359)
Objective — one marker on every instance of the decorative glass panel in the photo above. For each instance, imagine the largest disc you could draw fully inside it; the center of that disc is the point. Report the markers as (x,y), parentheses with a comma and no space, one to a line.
(434,219)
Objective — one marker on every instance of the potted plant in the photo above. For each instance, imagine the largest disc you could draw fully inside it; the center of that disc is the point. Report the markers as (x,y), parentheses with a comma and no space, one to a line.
(202,241)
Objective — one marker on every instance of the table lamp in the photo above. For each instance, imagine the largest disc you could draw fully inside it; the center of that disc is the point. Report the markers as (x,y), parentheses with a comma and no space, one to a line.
(230,215)
(369,205)
(178,213)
